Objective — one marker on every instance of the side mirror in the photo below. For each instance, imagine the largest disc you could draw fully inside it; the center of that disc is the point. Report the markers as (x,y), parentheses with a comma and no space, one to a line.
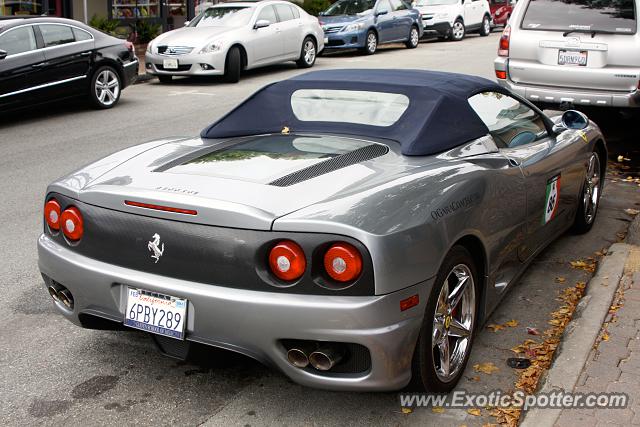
(381,12)
(3,54)
(186,23)
(571,119)
(261,23)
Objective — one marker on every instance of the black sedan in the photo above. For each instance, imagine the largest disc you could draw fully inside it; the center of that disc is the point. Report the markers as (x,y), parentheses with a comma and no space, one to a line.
(44,59)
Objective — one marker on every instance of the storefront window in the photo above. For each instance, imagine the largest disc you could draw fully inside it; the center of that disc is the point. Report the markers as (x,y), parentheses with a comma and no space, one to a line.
(131,9)
(20,7)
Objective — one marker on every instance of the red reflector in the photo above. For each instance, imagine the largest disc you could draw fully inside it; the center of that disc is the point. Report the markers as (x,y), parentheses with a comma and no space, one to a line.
(287,261)
(407,303)
(501,74)
(161,208)
(52,214)
(503,44)
(72,223)
(343,262)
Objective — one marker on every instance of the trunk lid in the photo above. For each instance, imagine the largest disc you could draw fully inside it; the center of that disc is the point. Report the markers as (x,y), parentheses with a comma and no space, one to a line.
(232,184)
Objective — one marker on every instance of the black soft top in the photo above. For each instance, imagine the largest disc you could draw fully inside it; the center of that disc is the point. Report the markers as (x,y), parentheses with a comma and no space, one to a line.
(437,119)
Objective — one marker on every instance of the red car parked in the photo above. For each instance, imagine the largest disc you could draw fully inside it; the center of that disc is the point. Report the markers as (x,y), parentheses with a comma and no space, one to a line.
(501,11)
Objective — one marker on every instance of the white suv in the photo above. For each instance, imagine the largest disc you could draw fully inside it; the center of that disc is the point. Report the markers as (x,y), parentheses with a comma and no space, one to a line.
(452,19)
(572,53)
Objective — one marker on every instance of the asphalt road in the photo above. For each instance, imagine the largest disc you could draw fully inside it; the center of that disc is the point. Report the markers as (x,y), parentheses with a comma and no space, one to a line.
(54,373)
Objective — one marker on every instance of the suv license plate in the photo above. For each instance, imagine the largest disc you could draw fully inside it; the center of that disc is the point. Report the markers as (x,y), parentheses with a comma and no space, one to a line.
(572,57)
(170,64)
(156,313)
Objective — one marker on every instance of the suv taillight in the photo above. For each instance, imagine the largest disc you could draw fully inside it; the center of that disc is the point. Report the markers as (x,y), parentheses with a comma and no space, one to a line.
(503,46)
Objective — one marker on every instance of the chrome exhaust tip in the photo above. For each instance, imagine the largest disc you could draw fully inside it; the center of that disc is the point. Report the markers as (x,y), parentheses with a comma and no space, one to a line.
(54,293)
(325,358)
(298,358)
(66,298)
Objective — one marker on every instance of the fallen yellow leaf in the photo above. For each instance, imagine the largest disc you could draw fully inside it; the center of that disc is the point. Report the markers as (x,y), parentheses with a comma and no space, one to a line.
(512,323)
(494,327)
(560,279)
(475,412)
(487,368)
(407,410)
(605,337)
(437,409)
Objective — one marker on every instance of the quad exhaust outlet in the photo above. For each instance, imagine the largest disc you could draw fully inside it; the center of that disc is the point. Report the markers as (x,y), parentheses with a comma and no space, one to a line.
(61,295)
(321,358)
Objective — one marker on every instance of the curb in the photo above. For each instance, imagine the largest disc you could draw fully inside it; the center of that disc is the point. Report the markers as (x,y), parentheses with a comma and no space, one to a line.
(143,78)
(581,333)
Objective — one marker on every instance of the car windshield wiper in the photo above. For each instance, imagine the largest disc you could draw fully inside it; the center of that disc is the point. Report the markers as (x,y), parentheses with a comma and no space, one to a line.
(592,32)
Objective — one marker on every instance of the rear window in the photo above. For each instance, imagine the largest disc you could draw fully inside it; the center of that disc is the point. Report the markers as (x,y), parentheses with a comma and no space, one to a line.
(608,16)
(348,106)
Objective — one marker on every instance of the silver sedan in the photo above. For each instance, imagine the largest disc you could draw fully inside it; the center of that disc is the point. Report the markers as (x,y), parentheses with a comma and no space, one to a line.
(229,38)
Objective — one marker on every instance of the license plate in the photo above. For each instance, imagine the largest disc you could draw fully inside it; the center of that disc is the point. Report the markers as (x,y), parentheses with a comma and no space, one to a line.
(170,64)
(156,313)
(326,40)
(572,57)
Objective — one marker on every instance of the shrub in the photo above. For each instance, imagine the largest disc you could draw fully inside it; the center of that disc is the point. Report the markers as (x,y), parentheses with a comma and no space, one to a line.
(314,7)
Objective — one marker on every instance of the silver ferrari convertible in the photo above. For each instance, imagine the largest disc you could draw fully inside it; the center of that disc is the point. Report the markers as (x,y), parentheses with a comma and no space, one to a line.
(351,228)
(231,37)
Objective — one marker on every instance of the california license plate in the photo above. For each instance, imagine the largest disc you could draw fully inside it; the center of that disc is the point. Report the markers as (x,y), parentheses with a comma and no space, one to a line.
(156,313)
(326,40)
(572,57)
(170,64)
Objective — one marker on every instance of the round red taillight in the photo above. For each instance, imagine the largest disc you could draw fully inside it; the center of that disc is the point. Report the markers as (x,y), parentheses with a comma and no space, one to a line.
(52,214)
(343,262)
(72,223)
(287,261)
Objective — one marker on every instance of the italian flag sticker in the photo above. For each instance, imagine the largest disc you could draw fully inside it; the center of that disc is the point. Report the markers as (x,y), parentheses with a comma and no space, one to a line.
(552,199)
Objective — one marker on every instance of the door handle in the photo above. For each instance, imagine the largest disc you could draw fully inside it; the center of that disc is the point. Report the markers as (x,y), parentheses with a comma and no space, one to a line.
(85,53)
(40,65)
(514,163)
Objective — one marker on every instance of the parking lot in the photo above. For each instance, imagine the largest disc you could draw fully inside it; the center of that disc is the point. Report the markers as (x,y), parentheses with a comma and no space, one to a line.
(54,373)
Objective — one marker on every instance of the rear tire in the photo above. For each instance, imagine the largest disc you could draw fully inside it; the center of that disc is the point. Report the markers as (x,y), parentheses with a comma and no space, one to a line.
(590,196)
(444,320)
(485,27)
(106,87)
(165,79)
(308,53)
(371,43)
(233,65)
(414,38)
(458,31)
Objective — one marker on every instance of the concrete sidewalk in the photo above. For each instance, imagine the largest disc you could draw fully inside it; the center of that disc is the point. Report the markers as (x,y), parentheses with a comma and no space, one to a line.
(600,352)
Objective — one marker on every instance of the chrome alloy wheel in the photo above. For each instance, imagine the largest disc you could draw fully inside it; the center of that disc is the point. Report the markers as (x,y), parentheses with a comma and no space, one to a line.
(453,323)
(415,37)
(487,26)
(458,30)
(107,87)
(309,52)
(372,42)
(591,193)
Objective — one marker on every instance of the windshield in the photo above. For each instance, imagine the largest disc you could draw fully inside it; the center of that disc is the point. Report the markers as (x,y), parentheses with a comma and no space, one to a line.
(420,3)
(223,17)
(615,16)
(349,7)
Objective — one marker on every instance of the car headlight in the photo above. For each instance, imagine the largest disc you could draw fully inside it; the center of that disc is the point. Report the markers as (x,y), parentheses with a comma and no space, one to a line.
(149,47)
(444,16)
(213,47)
(354,27)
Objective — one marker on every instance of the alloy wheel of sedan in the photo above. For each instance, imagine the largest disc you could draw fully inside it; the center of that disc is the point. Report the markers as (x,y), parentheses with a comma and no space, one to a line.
(453,323)
(372,43)
(309,52)
(414,38)
(591,192)
(107,87)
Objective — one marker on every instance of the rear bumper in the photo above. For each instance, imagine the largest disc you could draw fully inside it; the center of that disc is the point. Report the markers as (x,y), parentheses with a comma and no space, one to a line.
(254,323)
(130,71)
(560,95)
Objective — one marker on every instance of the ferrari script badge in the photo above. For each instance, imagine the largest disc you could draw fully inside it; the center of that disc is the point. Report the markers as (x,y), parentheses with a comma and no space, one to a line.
(155,247)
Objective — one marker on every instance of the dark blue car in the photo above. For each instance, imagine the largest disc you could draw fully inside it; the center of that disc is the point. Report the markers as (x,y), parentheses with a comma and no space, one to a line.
(364,24)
